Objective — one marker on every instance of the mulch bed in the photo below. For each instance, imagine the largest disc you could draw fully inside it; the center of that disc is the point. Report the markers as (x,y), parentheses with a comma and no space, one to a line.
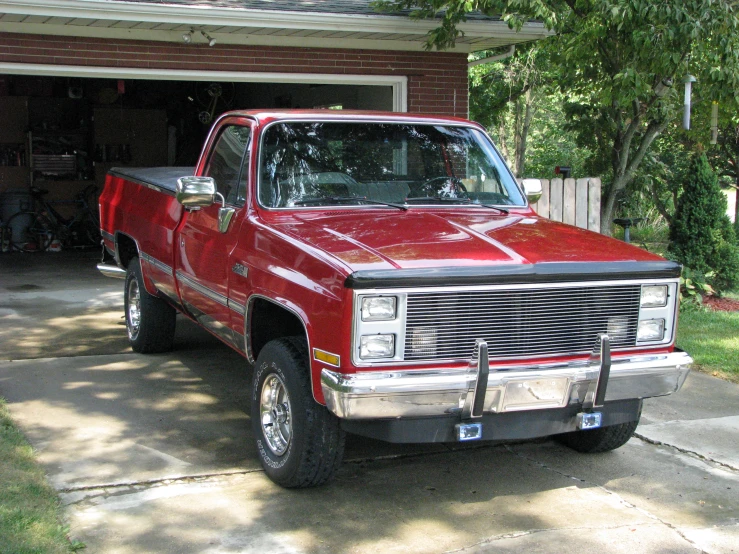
(721,304)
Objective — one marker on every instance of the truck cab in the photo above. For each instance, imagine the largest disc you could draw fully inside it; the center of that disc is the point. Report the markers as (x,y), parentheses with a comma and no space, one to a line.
(386,275)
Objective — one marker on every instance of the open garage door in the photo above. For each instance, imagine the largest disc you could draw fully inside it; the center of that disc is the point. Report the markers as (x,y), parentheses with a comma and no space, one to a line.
(64,130)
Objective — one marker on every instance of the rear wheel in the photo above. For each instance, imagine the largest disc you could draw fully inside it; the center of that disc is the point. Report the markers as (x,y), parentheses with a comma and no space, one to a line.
(150,321)
(300,443)
(604,439)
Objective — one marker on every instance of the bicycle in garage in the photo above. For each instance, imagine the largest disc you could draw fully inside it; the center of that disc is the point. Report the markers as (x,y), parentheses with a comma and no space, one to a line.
(45,225)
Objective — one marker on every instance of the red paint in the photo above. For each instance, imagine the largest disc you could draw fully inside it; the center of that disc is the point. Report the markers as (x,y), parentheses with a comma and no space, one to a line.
(300,258)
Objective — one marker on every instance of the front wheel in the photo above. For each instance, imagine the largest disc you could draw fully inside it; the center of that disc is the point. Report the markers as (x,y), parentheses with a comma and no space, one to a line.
(604,439)
(300,443)
(150,321)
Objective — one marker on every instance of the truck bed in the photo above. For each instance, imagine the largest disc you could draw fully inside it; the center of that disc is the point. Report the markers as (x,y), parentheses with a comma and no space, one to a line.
(164,178)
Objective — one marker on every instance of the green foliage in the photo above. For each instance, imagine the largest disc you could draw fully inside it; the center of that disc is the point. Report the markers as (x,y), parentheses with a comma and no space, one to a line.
(701,235)
(500,93)
(30,514)
(550,145)
(712,339)
(693,287)
(493,86)
(620,64)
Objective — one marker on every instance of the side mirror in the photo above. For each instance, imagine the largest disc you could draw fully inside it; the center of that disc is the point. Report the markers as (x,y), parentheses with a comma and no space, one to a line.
(533,190)
(196,192)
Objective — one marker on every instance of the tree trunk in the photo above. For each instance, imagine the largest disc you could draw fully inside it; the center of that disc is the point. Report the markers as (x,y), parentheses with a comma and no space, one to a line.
(523,135)
(503,138)
(608,207)
(625,165)
(517,124)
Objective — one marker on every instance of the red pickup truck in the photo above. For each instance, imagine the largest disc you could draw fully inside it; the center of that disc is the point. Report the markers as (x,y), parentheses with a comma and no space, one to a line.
(386,276)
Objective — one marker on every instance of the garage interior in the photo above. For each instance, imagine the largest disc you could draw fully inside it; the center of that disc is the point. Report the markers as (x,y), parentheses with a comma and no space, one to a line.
(62,134)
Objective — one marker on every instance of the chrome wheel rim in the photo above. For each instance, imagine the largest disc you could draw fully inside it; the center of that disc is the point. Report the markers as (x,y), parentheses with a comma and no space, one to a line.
(275,414)
(134,309)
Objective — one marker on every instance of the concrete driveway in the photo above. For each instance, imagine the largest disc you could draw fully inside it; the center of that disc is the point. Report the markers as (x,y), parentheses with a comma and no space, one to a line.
(154,453)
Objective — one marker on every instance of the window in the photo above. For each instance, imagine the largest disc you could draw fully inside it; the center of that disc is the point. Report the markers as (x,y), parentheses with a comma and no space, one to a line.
(324,163)
(225,163)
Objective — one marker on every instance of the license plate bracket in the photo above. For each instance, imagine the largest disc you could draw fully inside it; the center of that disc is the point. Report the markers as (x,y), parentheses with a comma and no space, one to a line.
(523,394)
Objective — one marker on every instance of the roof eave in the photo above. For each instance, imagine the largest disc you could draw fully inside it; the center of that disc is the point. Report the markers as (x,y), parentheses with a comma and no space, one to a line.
(201,16)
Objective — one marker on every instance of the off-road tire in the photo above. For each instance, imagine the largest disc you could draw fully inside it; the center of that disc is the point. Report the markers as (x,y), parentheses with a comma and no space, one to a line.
(605,439)
(315,447)
(155,328)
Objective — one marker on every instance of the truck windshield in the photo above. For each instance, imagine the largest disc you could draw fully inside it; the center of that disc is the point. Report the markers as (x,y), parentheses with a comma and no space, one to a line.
(302,163)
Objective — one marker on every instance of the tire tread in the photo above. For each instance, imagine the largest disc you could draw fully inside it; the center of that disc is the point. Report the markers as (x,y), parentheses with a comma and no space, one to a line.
(158,319)
(325,440)
(600,440)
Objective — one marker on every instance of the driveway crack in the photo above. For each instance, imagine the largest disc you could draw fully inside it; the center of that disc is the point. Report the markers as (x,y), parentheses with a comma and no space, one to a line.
(519,534)
(686,451)
(618,497)
(162,480)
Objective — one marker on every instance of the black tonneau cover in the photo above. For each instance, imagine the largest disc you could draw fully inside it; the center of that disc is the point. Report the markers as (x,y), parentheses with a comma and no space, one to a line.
(164,178)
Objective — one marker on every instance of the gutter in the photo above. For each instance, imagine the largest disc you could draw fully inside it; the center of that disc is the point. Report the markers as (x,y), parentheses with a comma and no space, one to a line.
(491,59)
(112,10)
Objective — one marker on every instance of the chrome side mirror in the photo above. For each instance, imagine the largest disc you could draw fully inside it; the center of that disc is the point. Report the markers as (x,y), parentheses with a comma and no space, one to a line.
(533,190)
(196,192)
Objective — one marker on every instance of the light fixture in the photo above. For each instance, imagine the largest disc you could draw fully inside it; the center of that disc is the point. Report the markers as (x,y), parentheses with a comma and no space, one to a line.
(376,346)
(688,81)
(210,39)
(187,37)
(714,122)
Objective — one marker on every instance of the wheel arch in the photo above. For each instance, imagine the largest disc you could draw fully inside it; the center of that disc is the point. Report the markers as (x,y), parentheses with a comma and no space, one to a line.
(126,248)
(282,321)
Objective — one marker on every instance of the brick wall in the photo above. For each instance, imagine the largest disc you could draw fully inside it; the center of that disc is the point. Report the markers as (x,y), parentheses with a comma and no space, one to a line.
(437,81)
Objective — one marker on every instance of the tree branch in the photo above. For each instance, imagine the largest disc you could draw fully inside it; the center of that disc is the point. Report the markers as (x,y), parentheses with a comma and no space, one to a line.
(732,160)
(573,6)
(631,130)
(661,208)
(654,129)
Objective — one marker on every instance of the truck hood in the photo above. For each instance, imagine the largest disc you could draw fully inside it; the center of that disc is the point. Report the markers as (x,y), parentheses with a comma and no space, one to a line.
(423,239)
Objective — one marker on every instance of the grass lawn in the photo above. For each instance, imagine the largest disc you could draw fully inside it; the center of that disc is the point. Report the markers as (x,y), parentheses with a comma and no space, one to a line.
(30,514)
(712,339)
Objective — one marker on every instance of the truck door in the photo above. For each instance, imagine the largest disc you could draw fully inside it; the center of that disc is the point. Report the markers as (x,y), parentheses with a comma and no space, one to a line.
(204,249)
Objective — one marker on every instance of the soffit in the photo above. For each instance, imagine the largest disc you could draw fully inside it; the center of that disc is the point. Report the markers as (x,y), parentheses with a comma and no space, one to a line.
(331,24)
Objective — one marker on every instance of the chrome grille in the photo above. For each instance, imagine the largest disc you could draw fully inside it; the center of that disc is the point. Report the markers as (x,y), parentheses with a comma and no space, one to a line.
(520,322)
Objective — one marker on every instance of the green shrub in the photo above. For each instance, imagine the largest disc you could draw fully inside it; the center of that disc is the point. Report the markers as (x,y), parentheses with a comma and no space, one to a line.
(727,258)
(701,234)
(693,287)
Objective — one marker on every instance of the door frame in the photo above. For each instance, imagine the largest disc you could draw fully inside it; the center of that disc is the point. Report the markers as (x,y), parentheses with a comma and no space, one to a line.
(398,83)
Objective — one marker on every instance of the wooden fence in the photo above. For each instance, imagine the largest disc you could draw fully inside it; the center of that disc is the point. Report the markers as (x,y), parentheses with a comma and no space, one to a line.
(573,201)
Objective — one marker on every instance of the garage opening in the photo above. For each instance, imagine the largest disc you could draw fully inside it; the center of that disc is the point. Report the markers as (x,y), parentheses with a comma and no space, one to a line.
(62,134)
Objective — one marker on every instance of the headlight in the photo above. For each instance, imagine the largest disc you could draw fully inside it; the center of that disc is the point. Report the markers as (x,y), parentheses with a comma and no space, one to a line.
(651,330)
(378,308)
(653,296)
(376,346)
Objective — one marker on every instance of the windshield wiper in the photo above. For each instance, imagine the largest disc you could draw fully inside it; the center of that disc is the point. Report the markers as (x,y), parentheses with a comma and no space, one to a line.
(454,201)
(339,199)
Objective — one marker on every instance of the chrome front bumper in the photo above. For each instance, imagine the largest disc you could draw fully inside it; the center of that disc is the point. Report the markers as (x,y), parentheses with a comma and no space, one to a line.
(421,393)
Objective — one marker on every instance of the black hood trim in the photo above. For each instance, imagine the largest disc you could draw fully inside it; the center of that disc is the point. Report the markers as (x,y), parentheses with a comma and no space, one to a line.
(548,272)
